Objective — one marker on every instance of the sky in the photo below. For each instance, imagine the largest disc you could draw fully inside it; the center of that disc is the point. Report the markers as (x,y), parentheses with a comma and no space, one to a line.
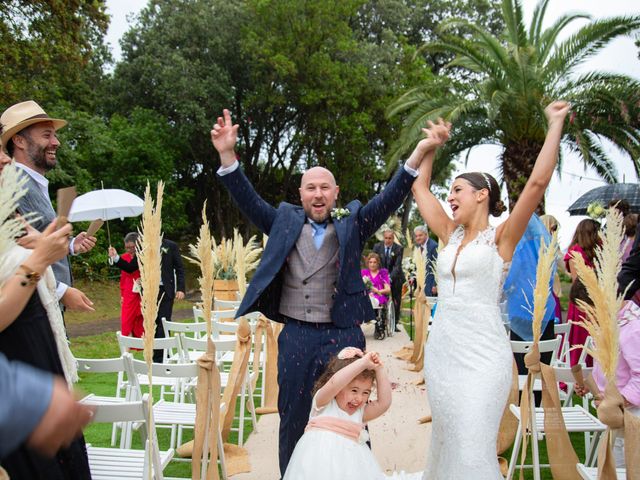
(621,56)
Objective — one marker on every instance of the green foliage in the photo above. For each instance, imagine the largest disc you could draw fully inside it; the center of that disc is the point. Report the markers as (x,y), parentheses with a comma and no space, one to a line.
(51,50)
(520,72)
(307,83)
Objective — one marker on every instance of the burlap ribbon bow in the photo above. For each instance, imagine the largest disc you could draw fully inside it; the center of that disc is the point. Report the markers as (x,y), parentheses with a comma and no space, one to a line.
(562,456)
(612,413)
(264,328)
(207,415)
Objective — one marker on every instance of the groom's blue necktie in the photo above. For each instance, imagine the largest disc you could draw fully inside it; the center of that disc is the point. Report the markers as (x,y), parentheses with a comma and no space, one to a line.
(318,233)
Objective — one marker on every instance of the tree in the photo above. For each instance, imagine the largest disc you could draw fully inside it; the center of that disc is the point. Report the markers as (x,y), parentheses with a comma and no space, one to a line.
(521,71)
(52,50)
(304,84)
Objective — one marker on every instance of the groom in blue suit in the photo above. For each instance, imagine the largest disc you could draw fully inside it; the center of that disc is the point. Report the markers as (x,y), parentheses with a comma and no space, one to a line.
(309,276)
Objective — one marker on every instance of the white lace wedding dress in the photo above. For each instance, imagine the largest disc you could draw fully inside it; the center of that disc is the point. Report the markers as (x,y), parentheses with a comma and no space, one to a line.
(467,361)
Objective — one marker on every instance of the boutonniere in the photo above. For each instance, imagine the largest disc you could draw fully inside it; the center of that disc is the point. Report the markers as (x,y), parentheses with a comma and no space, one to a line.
(339,213)
(164,250)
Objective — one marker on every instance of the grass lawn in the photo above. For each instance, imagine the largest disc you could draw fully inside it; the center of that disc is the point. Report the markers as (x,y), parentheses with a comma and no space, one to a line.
(106,346)
(105,296)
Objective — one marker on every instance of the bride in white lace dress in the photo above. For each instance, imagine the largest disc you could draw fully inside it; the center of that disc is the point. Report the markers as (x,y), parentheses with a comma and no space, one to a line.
(468,357)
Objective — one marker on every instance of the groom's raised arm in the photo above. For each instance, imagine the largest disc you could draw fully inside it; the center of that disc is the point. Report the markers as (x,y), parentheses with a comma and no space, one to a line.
(224,136)
(378,209)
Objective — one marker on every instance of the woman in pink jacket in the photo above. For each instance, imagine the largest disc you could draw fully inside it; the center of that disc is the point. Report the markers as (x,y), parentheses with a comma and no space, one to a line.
(628,371)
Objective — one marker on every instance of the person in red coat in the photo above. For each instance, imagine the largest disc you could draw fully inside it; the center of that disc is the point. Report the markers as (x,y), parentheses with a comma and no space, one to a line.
(131,314)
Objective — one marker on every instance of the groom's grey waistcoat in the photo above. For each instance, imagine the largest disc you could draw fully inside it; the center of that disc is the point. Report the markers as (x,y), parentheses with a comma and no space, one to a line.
(36,203)
(310,277)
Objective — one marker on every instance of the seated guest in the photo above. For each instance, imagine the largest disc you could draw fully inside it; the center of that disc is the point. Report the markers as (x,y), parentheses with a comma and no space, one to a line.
(627,373)
(380,283)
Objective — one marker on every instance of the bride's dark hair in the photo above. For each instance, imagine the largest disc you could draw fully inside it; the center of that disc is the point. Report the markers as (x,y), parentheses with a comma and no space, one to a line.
(336,364)
(480,180)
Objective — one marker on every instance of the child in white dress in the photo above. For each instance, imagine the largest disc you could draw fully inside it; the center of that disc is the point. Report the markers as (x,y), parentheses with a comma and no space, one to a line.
(334,443)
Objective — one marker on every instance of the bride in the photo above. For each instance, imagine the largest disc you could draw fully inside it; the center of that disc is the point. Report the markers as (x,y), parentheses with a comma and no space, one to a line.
(468,357)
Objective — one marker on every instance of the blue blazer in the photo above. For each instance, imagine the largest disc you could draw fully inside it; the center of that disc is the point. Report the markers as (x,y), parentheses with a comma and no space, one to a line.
(283,225)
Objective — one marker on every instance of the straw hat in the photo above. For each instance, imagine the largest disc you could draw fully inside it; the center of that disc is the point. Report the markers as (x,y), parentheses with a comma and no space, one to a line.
(21,115)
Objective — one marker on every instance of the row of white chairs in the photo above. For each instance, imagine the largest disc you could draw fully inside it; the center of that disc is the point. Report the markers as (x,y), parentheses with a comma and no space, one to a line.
(176,415)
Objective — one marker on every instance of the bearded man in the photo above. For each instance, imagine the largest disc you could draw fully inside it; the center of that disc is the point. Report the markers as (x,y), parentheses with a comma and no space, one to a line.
(30,137)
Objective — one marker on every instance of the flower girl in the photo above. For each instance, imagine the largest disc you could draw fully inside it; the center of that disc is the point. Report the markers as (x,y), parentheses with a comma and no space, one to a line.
(334,443)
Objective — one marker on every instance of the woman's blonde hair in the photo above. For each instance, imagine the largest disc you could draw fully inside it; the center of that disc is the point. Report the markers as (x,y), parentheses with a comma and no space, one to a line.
(373,255)
(550,222)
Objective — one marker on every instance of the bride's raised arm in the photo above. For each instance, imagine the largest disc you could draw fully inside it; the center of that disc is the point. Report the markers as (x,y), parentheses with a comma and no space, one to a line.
(428,205)
(510,232)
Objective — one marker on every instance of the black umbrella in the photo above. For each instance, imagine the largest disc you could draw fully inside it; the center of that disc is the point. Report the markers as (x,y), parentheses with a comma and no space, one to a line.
(603,195)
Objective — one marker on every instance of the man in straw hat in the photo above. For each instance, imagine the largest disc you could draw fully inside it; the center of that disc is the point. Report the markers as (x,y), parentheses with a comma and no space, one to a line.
(29,136)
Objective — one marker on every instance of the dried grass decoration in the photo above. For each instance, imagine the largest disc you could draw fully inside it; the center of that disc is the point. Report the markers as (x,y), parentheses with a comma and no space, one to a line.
(562,457)
(601,322)
(205,444)
(148,253)
(247,258)
(421,312)
(11,191)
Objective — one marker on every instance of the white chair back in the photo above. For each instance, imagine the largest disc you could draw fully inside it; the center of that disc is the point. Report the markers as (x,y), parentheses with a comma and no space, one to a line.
(194,329)
(170,345)
(544,346)
(226,304)
(109,463)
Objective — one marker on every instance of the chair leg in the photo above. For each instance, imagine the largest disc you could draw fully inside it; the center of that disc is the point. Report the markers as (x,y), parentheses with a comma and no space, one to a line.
(591,456)
(223,465)
(534,444)
(514,452)
(252,410)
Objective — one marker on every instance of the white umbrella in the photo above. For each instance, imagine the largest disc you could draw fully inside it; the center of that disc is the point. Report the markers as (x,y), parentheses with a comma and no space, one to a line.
(105,204)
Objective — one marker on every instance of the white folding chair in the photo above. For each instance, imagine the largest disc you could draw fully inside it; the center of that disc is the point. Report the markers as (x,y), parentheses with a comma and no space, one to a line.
(563,329)
(225,347)
(226,304)
(121,463)
(107,365)
(576,419)
(174,415)
(172,349)
(544,346)
(192,329)
(591,473)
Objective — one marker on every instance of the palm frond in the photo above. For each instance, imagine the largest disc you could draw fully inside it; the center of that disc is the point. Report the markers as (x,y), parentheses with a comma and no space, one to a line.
(536,21)
(588,41)
(547,41)
(513,18)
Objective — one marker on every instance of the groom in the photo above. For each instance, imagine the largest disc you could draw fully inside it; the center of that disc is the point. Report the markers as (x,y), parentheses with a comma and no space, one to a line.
(309,276)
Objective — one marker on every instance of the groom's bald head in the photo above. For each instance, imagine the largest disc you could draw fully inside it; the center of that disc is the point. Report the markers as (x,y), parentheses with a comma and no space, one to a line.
(318,193)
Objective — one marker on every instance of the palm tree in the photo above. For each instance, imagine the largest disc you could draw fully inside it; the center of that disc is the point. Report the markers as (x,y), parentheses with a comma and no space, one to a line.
(517,74)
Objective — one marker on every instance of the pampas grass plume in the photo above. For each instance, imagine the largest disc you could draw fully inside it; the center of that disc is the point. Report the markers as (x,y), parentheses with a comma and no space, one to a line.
(601,318)
(544,269)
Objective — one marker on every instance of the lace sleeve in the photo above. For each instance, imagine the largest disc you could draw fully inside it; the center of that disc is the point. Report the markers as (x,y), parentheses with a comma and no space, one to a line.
(456,235)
